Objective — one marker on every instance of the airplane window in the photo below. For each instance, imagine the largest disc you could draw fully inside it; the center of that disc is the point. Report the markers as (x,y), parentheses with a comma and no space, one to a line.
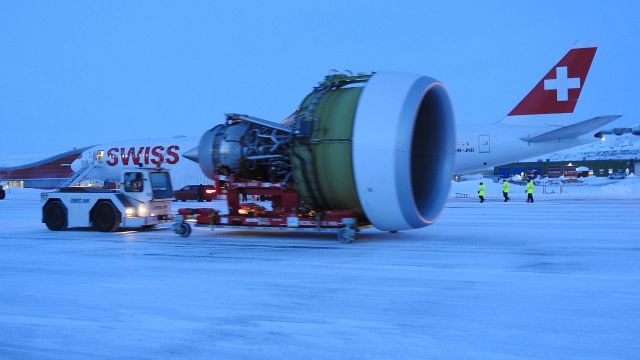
(133,182)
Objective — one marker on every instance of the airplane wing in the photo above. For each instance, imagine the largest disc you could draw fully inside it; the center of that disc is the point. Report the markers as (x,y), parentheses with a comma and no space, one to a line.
(573,130)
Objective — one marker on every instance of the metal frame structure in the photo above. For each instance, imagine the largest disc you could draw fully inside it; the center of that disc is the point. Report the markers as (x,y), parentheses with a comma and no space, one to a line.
(285,213)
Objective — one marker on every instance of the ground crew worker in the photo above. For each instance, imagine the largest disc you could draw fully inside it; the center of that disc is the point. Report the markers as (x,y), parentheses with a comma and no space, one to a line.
(481,190)
(505,190)
(529,191)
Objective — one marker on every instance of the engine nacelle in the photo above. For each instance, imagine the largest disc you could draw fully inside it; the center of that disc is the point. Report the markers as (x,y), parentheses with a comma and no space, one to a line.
(382,145)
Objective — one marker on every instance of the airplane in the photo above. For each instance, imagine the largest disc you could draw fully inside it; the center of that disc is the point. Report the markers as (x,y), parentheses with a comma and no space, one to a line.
(535,126)
(105,162)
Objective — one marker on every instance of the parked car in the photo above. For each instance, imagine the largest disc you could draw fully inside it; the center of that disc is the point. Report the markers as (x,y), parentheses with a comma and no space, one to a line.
(617,175)
(196,192)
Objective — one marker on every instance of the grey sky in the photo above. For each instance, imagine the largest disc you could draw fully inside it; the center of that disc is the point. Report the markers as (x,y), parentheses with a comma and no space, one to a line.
(85,72)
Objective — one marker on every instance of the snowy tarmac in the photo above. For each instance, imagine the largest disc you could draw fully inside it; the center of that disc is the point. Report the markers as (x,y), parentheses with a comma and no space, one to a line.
(558,279)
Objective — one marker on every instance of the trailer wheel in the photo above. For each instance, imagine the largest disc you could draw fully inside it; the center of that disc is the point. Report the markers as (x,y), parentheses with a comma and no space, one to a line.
(182,228)
(105,217)
(346,235)
(55,216)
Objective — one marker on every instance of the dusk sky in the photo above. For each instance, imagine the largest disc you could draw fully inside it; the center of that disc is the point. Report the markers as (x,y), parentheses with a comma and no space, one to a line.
(77,73)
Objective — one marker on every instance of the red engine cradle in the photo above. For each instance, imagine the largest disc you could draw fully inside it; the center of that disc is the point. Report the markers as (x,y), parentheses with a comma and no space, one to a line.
(285,206)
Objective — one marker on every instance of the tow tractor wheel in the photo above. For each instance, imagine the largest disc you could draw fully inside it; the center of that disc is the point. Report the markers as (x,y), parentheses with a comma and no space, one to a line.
(183,229)
(55,216)
(105,217)
(346,235)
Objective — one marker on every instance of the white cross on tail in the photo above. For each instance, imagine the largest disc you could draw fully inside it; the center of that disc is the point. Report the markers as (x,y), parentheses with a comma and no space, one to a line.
(561,84)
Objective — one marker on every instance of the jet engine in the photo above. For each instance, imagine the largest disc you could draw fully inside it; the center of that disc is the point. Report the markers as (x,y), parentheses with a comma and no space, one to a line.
(381,145)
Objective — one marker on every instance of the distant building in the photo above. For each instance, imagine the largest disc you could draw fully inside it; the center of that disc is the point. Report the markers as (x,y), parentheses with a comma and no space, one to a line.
(568,169)
(43,174)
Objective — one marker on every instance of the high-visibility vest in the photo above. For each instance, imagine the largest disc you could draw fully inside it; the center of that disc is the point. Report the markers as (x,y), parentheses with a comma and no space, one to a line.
(482,190)
(505,187)
(530,187)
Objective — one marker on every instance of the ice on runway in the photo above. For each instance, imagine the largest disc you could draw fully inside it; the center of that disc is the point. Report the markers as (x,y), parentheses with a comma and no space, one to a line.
(558,279)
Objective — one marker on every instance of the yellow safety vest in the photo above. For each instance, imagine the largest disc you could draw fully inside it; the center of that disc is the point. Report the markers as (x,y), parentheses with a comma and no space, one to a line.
(530,187)
(505,187)
(482,190)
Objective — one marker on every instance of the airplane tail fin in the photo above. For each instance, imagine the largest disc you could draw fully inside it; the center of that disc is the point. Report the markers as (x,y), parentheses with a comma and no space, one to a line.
(559,89)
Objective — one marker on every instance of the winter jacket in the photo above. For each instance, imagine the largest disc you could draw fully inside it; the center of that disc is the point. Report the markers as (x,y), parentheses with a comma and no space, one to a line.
(530,187)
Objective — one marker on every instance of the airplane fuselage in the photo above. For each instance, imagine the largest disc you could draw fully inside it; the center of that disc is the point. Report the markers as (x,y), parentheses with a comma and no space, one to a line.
(108,160)
(481,149)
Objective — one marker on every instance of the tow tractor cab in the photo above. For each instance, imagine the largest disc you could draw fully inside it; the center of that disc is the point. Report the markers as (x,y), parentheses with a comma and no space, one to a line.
(142,198)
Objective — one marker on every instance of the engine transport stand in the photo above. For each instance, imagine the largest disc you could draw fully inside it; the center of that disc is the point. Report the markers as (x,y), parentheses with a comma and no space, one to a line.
(284,216)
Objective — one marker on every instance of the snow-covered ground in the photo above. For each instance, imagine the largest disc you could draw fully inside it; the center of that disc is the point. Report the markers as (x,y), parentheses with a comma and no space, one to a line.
(558,279)
(590,187)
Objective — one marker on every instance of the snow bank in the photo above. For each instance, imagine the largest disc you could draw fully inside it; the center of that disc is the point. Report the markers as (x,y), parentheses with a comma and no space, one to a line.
(622,147)
(630,185)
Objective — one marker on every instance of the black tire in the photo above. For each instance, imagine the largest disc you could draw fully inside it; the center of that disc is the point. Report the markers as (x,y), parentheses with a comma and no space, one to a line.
(55,216)
(106,217)
(2,194)
(183,229)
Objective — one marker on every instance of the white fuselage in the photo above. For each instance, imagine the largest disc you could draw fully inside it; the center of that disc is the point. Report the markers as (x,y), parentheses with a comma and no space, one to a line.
(108,160)
(498,144)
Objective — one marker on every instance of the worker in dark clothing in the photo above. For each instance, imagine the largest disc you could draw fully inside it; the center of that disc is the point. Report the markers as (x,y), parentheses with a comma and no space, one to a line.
(481,191)
(2,193)
(505,190)
(529,191)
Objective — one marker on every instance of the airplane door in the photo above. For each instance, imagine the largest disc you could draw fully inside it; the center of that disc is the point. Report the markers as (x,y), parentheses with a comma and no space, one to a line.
(99,155)
(484,144)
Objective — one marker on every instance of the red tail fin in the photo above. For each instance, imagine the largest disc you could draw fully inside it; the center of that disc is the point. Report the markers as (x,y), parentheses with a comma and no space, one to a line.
(560,88)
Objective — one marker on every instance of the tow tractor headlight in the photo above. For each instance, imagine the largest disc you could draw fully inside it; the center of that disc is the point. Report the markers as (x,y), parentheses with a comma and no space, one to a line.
(143,210)
(130,211)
